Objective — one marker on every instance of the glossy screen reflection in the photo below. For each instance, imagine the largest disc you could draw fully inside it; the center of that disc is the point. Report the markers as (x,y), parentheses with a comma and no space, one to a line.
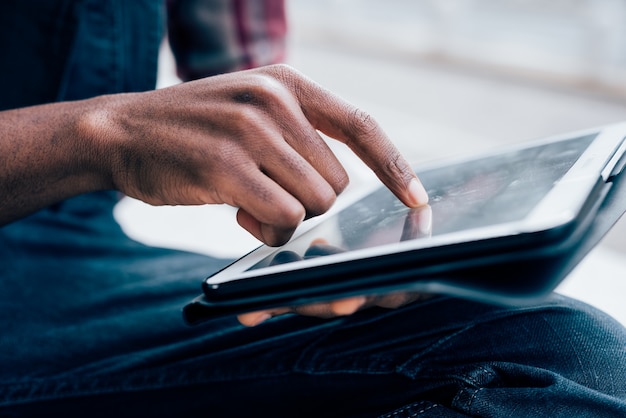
(472,194)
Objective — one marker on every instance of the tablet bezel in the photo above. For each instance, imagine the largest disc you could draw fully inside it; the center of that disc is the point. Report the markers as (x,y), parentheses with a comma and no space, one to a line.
(559,208)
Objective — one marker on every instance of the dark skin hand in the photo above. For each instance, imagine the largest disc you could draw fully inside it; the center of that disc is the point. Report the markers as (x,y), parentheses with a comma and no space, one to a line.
(247,139)
(418,223)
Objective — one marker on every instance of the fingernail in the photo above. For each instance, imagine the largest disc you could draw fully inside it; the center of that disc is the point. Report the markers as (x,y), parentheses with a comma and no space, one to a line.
(348,306)
(260,319)
(417,193)
(425,221)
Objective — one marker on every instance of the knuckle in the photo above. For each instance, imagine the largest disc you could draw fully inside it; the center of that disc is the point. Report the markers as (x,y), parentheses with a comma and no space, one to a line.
(397,167)
(260,89)
(391,165)
(282,71)
(323,201)
(393,160)
(362,123)
(341,181)
(290,79)
(290,217)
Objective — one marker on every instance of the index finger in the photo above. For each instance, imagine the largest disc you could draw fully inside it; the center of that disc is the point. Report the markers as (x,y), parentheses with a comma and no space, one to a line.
(347,123)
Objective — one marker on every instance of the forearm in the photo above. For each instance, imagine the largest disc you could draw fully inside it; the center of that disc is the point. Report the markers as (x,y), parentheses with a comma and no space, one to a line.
(47,154)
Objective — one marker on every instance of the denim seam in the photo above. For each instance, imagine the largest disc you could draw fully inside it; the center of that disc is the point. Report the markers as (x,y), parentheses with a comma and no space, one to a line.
(473,380)
(467,406)
(405,408)
(55,390)
(414,361)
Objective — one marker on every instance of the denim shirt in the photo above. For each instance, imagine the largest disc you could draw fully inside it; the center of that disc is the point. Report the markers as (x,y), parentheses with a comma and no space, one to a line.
(59,50)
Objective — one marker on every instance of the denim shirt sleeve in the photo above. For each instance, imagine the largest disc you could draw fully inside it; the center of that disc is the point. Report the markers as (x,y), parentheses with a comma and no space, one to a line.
(115,49)
(75,49)
(36,38)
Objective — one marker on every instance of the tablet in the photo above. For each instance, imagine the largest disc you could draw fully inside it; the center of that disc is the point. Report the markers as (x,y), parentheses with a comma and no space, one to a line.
(505,213)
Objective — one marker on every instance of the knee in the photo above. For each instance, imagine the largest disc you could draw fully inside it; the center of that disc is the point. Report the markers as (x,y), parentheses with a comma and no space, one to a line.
(566,337)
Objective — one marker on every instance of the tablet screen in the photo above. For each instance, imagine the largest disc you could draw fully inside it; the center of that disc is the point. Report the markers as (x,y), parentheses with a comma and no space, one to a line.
(472,194)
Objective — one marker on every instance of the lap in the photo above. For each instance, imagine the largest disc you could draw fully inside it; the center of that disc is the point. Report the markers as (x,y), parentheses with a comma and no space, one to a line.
(93,318)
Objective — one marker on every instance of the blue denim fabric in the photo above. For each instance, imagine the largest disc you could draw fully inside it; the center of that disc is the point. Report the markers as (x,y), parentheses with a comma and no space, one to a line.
(91,321)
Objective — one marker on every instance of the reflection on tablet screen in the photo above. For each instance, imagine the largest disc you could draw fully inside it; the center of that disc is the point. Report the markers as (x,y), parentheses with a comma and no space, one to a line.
(472,194)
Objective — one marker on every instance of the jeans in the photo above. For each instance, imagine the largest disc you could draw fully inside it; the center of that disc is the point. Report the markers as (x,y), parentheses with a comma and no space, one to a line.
(91,320)
(92,324)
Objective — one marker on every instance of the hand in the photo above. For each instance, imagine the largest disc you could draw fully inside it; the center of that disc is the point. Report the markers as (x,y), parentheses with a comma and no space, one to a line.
(417,224)
(336,308)
(248,139)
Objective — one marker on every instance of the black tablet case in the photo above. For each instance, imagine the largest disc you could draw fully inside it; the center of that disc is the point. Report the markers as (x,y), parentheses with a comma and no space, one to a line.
(507,278)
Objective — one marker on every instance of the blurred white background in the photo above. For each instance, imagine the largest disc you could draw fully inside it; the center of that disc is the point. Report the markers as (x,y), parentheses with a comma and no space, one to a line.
(561,41)
(445,78)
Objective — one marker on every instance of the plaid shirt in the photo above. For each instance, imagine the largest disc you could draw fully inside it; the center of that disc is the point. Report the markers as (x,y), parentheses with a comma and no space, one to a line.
(211,37)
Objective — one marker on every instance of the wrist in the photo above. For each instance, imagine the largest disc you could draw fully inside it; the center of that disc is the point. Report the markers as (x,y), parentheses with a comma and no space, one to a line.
(49,153)
(97,140)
